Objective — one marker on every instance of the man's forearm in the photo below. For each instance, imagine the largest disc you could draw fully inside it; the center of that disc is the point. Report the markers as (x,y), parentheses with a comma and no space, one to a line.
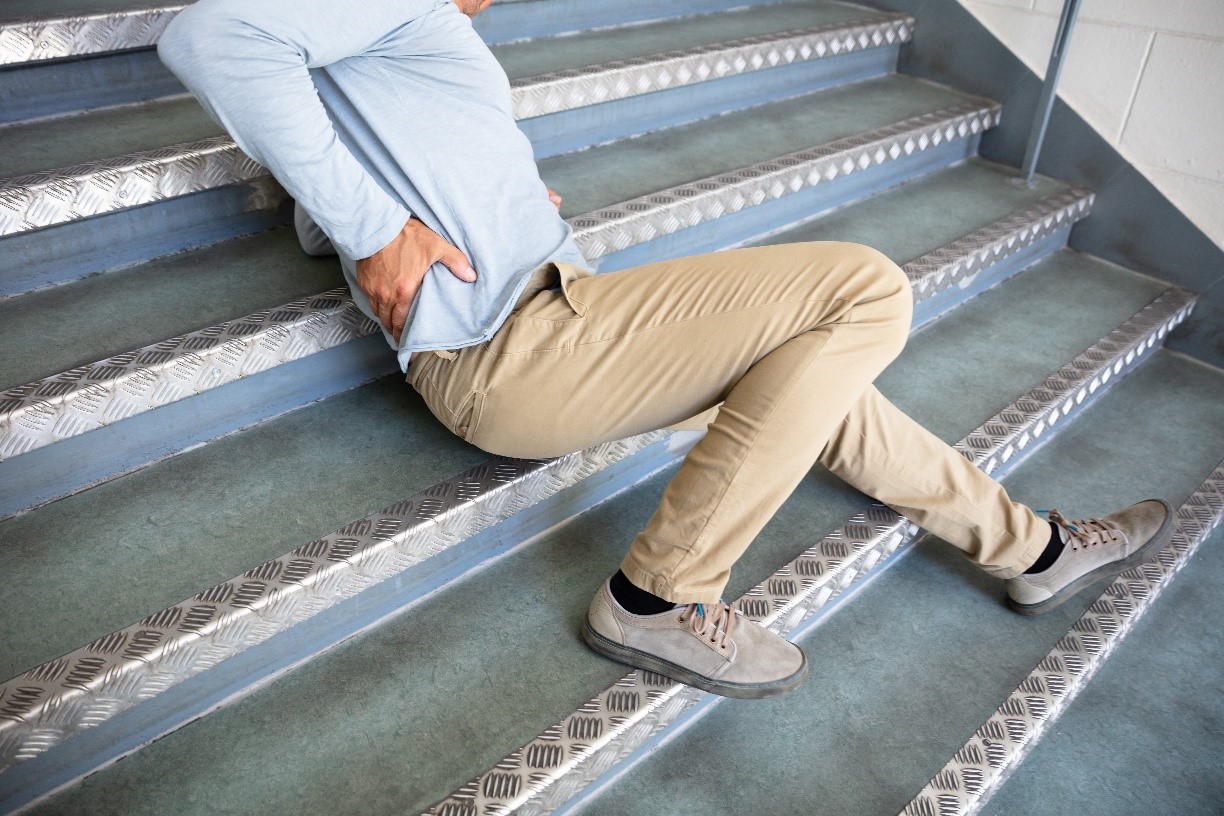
(248,64)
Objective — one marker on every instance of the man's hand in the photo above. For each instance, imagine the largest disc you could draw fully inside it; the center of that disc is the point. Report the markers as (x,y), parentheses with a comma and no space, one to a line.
(554,198)
(392,276)
(472,7)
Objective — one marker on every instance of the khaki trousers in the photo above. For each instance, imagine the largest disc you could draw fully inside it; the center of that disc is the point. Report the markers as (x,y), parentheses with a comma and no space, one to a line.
(784,341)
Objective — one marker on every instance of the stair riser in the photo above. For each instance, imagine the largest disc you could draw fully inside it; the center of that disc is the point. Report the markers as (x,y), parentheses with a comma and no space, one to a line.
(252,668)
(81,461)
(558,133)
(43,89)
(752,222)
(68,252)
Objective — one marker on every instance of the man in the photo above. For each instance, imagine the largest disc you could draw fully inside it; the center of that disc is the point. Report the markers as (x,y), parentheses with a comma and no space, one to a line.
(390,123)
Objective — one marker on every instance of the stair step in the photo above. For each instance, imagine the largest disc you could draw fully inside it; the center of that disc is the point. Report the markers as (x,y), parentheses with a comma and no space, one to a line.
(924,655)
(1125,291)
(64,406)
(601,176)
(214,284)
(143,305)
(42,146)
(573,91)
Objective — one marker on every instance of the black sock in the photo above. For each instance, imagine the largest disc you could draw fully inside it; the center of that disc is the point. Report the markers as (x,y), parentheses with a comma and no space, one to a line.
(1050,554)
(635,599)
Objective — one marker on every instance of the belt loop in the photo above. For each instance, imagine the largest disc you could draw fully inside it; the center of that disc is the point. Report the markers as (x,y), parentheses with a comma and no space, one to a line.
(445,355)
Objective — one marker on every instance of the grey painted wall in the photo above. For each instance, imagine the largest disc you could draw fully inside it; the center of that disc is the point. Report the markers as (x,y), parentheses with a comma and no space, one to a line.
(1133,223)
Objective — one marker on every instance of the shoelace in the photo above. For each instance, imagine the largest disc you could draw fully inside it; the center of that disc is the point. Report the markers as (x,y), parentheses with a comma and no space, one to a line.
(1084,533)
(711,620)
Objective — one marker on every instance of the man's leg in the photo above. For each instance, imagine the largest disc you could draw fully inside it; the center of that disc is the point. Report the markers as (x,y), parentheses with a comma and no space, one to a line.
(785,337)
(881,451)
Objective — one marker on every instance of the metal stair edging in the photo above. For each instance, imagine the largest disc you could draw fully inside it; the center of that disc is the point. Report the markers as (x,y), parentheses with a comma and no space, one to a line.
(569,762)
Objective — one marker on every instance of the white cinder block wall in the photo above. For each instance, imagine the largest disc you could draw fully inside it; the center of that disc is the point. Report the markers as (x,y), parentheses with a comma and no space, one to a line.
(1148,75)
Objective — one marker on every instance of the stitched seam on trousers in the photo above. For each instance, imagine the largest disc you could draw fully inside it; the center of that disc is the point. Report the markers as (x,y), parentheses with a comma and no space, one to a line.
(670,324)
(688,551)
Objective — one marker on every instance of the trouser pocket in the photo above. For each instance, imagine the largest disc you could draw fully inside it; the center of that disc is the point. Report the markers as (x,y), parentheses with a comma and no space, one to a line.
(446,387)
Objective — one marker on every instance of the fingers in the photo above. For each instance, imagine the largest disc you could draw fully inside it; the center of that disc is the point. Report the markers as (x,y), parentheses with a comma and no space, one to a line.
(398,317)
(454,260)
(554,198)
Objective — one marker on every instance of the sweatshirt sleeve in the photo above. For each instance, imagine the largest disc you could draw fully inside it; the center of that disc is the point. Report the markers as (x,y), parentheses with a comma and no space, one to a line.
(248,64)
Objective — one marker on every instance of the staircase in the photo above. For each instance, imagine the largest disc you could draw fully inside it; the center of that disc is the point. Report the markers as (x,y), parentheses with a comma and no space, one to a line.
(240,556)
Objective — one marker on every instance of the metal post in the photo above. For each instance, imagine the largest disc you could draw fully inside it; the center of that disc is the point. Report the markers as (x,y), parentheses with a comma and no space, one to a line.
(1046,104)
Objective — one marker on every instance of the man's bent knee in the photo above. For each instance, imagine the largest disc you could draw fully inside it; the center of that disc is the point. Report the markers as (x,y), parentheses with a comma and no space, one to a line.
(880,282)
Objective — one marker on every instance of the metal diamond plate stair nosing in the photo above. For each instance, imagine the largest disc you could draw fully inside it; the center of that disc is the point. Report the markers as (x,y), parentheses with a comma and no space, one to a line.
(985,762)
(35,40)
(45,411)
(554,767)
(654,215)
(38,200)
(958,263)
(590,85)
(49,703)
(94,395)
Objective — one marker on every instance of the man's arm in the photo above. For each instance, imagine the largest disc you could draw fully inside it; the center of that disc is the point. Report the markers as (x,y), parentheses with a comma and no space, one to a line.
(248,65)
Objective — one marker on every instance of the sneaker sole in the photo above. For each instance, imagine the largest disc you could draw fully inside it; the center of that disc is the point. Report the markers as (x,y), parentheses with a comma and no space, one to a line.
(642,660)
(1154,545)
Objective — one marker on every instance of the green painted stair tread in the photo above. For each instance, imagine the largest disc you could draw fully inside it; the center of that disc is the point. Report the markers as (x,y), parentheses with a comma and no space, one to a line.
(104,558)
(606,174)
(926,213)
(1007,336)
(102,134)
(54,330)
(485,664)
(913,666)
(1153,711)
(572,51)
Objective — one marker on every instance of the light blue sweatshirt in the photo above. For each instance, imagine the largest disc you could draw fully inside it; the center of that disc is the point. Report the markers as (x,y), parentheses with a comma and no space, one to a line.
(369,112)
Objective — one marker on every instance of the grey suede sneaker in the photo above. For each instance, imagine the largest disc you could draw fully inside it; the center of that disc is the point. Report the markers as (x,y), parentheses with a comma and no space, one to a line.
(1093,549)
(710,646)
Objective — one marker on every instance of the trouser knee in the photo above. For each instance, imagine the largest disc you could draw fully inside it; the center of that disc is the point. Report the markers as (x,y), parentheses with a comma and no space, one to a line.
(881,291)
